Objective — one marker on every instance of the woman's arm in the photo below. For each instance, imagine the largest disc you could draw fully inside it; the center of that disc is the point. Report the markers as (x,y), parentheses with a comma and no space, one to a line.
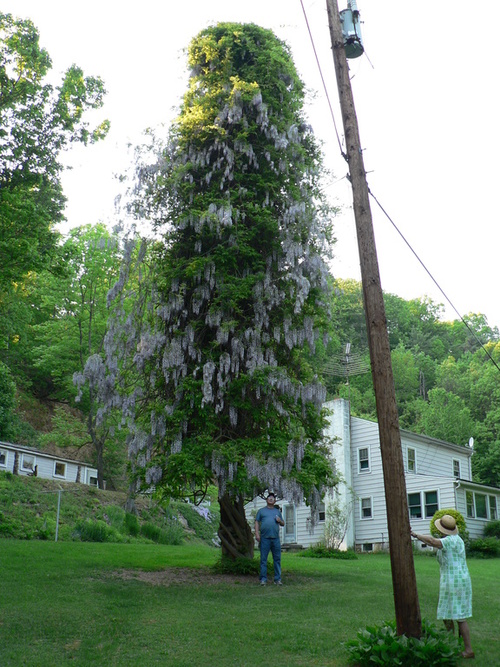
(428,539)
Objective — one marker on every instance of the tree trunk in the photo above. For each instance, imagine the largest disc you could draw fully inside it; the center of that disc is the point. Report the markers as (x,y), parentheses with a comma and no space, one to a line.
(234,532)
(130,502)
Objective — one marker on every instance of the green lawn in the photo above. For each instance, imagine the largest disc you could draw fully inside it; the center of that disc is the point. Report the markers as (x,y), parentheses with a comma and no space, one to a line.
(69,604)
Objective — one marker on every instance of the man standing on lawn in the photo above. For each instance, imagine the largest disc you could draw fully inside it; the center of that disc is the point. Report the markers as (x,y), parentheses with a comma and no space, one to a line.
(267,534)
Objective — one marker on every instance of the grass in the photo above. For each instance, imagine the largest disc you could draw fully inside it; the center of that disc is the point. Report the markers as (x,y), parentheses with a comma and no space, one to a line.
(63,604)
(28,510)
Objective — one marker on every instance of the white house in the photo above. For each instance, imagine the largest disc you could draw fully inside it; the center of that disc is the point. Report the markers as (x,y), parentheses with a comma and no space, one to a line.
(28,461)
(438,475)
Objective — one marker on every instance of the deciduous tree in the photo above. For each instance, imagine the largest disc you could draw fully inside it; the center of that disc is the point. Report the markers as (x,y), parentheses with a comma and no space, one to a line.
(37,122)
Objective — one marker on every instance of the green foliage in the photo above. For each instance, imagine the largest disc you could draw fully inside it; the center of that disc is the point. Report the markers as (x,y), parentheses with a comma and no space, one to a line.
(7,401)
(131,524)
(69,335)
(492,529)
(382,646)
(461,525)
(240,285)
(237,566)
(172,533)
(321,551)
(37,122)
(446,416)
(96,531)
(484,547)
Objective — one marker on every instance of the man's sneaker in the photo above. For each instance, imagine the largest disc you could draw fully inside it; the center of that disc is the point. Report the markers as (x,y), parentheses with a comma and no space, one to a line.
(263,582)
(278,583)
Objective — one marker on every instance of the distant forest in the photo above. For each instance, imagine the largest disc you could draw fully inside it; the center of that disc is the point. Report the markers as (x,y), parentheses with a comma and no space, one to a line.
(446,378)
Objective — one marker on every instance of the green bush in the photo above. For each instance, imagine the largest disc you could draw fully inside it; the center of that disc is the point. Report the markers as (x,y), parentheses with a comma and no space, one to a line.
(131,524)
(492,529)
(383,646)
(96,531)
(461,525)
(484,547)
(171,534)
(322,551)
(244,566)
(115,517)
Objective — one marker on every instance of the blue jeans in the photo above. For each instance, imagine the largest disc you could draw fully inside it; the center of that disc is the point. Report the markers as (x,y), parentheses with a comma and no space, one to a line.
(269,544)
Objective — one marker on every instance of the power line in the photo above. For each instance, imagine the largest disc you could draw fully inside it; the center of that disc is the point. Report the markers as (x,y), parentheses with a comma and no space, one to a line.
(323,81)
(469,328)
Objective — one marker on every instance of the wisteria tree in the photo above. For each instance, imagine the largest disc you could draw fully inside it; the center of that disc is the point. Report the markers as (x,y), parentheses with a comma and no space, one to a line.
(227,395)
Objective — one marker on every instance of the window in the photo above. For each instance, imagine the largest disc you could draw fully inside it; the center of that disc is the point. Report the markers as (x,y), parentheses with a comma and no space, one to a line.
(93,481)
(456,468)
(366,508)
(59,469)
(469,497)
(431,504)
(480,500)
(364,459)
(368,546)
(321,512)
(493,508)
(478,504)
(415,505)
(3,457)
(28,462)
(412,459)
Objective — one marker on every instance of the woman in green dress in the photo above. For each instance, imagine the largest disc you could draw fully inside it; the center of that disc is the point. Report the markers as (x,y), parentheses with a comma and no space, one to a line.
(455,590)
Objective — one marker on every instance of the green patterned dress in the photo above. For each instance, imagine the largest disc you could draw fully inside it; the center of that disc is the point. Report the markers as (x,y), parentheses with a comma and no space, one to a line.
(455,590)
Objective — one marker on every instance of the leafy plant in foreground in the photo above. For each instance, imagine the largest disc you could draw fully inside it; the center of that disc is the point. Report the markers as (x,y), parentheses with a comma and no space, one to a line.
(381,645)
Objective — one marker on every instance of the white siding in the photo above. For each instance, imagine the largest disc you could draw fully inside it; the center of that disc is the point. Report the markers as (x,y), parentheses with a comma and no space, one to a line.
(368,484)
(45,464)
(433,472)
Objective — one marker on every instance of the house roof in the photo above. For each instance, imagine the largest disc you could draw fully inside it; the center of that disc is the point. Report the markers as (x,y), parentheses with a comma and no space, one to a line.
(476,485)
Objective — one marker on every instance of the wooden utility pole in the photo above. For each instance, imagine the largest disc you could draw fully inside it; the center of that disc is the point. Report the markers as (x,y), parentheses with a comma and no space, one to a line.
(408,619)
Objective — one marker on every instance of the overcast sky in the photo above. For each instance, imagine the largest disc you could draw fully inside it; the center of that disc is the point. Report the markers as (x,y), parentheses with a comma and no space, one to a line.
(426,98)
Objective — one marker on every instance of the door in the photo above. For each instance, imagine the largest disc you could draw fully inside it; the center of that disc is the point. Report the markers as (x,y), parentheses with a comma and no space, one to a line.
(290,528)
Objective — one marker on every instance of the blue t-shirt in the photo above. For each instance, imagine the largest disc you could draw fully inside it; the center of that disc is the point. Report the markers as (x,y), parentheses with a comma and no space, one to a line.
(269,527)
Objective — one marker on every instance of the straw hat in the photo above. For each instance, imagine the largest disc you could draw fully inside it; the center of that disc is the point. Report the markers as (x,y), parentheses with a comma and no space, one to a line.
(446,525)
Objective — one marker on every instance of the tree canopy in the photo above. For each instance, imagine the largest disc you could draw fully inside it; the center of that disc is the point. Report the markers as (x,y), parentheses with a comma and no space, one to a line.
(241,284)
(37,122)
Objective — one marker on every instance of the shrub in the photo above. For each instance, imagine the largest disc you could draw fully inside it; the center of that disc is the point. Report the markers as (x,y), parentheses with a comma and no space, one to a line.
(171,534)
(131,524)
(322,551)
(244,566)
(95,531)
(492,529)
(115,517)
(462,527)
(485,547)
(382,646)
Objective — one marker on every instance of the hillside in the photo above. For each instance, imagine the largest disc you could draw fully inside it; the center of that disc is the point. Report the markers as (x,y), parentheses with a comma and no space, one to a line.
(29,505)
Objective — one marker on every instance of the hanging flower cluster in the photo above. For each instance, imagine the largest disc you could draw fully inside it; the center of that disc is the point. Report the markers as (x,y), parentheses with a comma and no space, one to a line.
(240,282)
